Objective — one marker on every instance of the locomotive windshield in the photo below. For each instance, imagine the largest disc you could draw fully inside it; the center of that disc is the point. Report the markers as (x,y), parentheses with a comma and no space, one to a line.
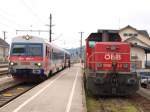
(26,49)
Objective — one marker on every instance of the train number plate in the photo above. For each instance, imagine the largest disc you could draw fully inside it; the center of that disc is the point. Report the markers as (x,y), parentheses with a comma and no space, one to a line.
(25,63)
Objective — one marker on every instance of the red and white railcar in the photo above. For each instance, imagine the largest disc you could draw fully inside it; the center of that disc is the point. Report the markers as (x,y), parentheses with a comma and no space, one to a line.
(34,59)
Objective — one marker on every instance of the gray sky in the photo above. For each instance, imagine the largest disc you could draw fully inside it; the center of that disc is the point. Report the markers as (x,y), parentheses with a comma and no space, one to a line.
(71,17)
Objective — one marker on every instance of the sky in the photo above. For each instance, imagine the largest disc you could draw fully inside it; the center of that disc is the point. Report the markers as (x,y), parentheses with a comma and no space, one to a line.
(69,17)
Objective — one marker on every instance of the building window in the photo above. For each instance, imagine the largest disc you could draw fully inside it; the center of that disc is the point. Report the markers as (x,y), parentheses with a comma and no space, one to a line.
(130,34)
(125,34)
(135,34)
(134,57)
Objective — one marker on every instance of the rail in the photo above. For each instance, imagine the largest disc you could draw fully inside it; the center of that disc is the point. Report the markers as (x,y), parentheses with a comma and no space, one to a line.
(13,92)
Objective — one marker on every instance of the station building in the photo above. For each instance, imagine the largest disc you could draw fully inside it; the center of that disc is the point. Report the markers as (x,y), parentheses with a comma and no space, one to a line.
(4,50)
(140,42)
(140,50)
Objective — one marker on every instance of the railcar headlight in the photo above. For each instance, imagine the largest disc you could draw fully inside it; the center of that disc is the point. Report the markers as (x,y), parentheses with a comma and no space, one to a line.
(100,65)
(38,64)
(11,63)
(125,65)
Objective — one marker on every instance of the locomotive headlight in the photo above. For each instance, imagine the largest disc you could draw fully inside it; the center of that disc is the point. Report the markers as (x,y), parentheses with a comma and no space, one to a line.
(113,48)
(125,65)
(100,65)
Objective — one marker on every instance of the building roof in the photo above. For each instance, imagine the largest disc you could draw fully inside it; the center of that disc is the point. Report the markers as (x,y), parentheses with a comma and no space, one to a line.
(142,32)
(146,49)
(133,38)
(3,43)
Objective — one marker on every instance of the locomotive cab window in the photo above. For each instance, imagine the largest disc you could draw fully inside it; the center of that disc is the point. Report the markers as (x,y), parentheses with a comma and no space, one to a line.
(91,44)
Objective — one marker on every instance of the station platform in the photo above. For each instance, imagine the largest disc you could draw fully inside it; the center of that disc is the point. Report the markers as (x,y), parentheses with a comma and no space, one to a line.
(3,69)
(60,93)
(144,92)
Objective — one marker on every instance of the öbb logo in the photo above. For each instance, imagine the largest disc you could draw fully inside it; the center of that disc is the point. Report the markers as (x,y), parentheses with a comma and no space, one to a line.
(112,57)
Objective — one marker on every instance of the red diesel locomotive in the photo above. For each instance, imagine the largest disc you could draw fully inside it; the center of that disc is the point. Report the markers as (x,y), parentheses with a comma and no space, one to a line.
(108,66)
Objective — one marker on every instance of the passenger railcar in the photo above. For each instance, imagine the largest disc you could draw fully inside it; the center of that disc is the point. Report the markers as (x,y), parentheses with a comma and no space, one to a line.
(108,65)
(34,59)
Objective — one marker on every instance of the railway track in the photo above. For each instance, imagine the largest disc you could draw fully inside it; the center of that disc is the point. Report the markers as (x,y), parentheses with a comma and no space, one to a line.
(12,92)
(135,103)
(117,104)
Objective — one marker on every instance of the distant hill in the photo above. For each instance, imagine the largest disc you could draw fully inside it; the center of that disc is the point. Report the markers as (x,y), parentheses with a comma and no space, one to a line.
(75,52)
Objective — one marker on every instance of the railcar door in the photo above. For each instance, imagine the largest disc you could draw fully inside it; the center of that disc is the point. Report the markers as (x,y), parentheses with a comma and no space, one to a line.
(47,61)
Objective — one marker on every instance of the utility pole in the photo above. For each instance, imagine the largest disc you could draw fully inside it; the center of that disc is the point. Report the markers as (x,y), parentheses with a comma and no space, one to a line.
(4,33)
(50,27)
(81,45)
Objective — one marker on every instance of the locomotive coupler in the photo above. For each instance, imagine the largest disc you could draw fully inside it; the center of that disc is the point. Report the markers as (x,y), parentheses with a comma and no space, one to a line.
(114,82)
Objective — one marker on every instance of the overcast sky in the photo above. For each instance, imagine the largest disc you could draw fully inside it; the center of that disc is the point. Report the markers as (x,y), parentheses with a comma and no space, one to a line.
(71,17)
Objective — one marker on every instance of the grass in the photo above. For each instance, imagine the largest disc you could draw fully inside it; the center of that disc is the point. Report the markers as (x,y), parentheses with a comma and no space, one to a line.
(110,104)
(92,104)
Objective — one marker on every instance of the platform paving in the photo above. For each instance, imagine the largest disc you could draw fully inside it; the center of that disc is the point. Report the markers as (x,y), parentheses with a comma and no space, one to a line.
(60,93)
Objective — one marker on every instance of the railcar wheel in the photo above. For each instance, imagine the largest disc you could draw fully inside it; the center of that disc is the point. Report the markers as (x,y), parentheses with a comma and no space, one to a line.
(50,74)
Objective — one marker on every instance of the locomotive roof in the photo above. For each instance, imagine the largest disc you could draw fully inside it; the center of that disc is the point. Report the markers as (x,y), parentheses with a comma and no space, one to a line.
(113,35)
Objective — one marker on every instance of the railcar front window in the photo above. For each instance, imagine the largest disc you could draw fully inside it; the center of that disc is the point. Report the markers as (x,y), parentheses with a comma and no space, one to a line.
(26,49)
(18,50)
(34,50)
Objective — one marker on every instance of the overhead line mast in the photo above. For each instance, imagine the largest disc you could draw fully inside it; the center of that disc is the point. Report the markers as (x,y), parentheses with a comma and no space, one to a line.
(50,29)
(81,45)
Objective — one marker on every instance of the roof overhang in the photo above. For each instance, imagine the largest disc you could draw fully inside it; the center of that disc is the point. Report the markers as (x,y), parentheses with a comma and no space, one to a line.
(146,49)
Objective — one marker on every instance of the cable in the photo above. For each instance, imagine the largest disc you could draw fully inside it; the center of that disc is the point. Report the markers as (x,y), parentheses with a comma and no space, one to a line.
(9,20)
(31,10)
